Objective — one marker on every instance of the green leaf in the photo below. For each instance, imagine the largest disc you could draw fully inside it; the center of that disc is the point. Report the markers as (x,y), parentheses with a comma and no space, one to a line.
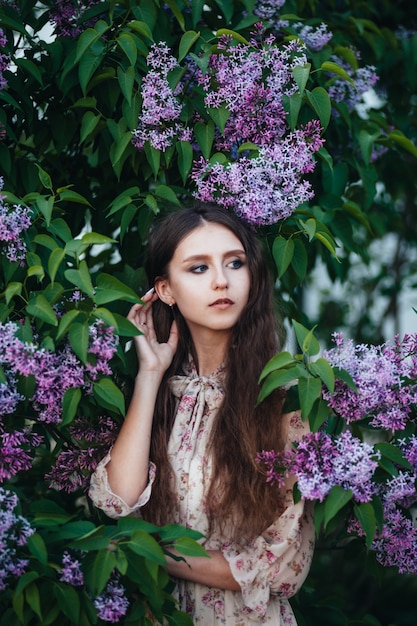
(185,158)
(319,413)
(365,515)
(283,252)
(33,599)
(79,336)
(153,157)
(187,41)
(44,178)
(277,379)
(301,74)
(68,600)
(70,403)
(219,115)
(309,390)
(89,123)
(334,68)
(110,288)
(65,322)
(309,227)
(279,361)
(85,41)
(177,13)
(299,261)
(13,289)
(320,101)
(126,80)
(328,241)
(306,340)
(119,147)
(324,370)
(109,395)
(46,206)
(292,105)
(90,61)
(336,500)
(127,44)
(37,548)
(29,66)
(55,259)
(167,193)
(142,28)
(95,239)
(393,453)
(127,525)
(40,308)
(172,532)
(144,544)
(97,539)
(204,133)
(101,570)
(189,547)
(81,278)
(399,138)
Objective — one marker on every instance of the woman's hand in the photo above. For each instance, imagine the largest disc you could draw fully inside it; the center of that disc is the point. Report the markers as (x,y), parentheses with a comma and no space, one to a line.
(153,356)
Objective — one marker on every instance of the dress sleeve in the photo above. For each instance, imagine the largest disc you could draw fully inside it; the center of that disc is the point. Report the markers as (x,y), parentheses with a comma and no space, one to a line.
(112,505)
(277,562)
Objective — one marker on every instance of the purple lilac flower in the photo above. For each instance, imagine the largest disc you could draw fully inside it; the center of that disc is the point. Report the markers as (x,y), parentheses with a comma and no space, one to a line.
(67,16)
(320,463)
(380,373)
(364,78)
(250,82)
(71,572)
(315,38)
(9,395)
(13,221)
(268,9)
(4,60)
(74,466)
(266,188)
(159,122)
(15,449)
(112,604)
(14,533)
(55,372)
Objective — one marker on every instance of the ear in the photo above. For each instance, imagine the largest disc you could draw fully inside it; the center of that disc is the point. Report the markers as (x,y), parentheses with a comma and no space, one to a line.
(163,289)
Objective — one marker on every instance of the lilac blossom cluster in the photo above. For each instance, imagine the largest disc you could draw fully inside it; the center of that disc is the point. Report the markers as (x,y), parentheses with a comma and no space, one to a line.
(4,59)
(54,372)
(13,222)
(315,38)
(267,188)
(14,533)
(71,572)
(68,16)
(364,78)
(159,121)
(112,604)
(320,463)
(268,9)
(385,379)
(16,451)
(76,463)
(250,83)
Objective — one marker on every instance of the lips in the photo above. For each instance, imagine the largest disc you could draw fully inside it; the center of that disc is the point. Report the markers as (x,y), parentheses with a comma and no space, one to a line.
(222,302)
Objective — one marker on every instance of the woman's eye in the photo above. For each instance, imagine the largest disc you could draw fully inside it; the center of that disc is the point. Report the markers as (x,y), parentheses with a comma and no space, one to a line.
(198,269)
(236,264)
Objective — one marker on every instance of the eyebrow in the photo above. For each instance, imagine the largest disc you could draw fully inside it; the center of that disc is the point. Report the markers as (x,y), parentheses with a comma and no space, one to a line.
(202,257)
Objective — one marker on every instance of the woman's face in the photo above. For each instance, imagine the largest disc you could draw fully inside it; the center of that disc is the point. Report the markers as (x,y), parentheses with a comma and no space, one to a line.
(208,279)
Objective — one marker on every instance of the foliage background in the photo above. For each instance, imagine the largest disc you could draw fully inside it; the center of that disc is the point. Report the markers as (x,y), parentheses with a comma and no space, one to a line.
(68,112)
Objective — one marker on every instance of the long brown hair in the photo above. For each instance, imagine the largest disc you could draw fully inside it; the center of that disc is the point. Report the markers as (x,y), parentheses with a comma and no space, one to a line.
(238,494)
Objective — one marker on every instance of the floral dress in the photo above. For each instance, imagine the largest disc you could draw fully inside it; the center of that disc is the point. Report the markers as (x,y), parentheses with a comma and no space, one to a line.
(269,569)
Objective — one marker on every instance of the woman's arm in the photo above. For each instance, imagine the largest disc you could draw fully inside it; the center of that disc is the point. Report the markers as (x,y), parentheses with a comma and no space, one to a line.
(128,468)
(213,571)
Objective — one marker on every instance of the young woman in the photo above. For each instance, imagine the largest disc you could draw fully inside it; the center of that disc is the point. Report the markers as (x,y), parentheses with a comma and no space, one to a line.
(187,450)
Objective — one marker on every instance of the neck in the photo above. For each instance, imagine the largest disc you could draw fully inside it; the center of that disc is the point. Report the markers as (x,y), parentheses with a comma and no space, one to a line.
(210,351)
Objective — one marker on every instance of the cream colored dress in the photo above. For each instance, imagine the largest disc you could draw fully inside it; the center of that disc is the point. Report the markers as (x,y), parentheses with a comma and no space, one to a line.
(269,569)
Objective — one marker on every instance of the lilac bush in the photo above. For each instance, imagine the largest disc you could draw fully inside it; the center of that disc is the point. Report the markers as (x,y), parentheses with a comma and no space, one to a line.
(367,447)
(249,82)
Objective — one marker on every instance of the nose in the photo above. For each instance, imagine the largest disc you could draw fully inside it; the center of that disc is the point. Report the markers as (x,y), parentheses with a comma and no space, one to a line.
(220,280)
